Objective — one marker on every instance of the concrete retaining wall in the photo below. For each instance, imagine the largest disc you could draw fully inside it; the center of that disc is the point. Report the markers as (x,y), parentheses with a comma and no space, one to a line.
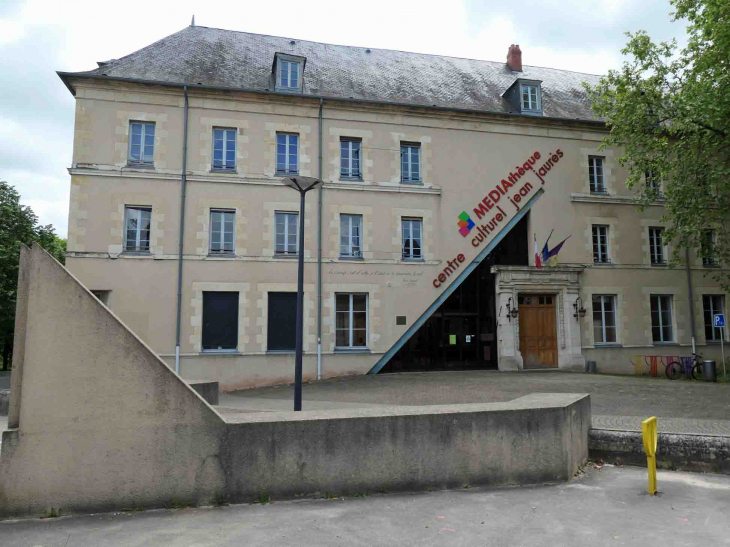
(4,401)
(705,453)
(104,424)
(207,390)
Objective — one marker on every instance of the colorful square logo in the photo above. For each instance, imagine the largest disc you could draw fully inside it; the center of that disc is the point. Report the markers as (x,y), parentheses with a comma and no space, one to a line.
(465,224)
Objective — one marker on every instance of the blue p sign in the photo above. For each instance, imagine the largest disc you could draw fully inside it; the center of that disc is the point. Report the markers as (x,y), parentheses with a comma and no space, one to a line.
(719,320)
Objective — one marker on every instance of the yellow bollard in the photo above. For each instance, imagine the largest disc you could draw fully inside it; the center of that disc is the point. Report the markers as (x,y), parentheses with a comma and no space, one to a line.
(651,436)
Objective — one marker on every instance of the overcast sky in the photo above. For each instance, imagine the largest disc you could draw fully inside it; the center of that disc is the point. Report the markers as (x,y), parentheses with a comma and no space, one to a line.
(39,37)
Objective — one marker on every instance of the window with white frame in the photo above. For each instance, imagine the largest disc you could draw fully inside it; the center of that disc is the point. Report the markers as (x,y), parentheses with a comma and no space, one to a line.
(656,246)
(596,177)
(600,244)
(530,97)
(287,234)
(289,74)
(350,236)
(224,149)
(410,160)
(661,318)
(287,154)
(712,304)
(412,229)
(222,224)
(141,143)
(137,222)
(708,248)
(604,319)
(351,321)
(350,159)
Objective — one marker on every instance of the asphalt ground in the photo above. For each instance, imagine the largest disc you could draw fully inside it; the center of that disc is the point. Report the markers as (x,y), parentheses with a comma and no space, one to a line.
(606,506)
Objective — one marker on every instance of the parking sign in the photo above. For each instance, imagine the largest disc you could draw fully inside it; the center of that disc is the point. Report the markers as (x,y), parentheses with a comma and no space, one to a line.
(719,320)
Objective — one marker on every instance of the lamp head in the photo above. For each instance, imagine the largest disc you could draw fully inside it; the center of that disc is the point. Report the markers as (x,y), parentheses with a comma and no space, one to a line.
(300,183)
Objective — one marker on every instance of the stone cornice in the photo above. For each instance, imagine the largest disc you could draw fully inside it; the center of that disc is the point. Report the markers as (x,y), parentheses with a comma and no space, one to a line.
(577,197)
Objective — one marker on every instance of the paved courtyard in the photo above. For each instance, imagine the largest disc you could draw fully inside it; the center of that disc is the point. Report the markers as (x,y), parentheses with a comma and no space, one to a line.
(618,402)
(603,507)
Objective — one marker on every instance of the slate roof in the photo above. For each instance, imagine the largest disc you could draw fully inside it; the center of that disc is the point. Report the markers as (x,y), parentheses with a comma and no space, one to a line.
(241,60)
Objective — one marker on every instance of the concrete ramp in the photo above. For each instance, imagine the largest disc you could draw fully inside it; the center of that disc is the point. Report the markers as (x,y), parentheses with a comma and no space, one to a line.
(99,422)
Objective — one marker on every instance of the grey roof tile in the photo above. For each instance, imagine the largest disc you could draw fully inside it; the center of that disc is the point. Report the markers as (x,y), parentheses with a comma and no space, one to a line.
(241,60)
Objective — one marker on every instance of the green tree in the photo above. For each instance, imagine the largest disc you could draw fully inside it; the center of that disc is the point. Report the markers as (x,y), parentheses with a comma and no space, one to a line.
(18,224)
(668,111)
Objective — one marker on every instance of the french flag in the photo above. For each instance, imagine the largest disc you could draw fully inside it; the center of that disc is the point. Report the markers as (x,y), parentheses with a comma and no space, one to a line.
(538,262)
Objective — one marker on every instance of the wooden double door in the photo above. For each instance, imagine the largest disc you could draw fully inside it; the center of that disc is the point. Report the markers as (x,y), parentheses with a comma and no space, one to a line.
(538,336)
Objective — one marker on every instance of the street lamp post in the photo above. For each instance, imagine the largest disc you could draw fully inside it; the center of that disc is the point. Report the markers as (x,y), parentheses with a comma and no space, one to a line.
(302,185)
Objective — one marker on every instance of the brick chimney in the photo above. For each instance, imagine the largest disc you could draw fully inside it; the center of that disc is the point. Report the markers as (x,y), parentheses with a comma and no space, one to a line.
(514,58)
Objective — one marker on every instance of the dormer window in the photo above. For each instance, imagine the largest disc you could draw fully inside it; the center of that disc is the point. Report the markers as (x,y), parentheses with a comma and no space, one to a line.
(288,70)
(524,97)
(530,97)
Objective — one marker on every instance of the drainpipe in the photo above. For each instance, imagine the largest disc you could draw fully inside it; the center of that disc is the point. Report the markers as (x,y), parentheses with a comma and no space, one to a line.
(183,180)
(691,298)
(319,251)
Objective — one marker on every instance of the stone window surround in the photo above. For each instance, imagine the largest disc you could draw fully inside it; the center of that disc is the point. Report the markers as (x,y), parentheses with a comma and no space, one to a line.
(121,144)
(366,165)
(268,233)
(698,293)
(305,136)
(427,235)
(240,233)
(262,315)
(366,235)
(196,315)
(679,327)
(205,151)
(116,230)
(609,169)
(613,246)
(622,320)
(426,157)
(78,213)
(375,320)
(646,246)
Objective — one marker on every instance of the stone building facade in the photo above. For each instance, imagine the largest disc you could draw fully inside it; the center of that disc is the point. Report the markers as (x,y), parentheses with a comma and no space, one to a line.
(440,176)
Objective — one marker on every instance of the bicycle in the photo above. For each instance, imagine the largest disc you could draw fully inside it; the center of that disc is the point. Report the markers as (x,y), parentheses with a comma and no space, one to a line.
(691,367)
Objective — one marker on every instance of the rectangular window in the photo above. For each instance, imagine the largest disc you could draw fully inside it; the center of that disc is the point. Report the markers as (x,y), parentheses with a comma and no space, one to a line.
(221,231)
(350,236)
(220,321)
(287,154)
(653,180)
(656,246)
(529,97)
(410,160)
(350,159)
(287,234)
(224,149)
(708,248)
(595,175)
(712,304)
(661,318)
(289,74)
(141,143)
(412,229)
(351,321)
(604,319)
(137,221)
(600,244)
(282,321)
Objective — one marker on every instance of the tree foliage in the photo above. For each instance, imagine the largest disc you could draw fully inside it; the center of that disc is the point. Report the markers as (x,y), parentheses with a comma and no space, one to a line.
(18,224)
(668,111)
